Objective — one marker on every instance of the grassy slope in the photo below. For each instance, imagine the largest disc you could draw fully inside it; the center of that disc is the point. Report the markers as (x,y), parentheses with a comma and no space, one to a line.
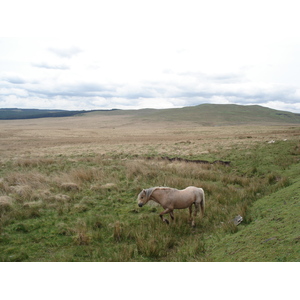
(273,234)
(212,114)
(205,114)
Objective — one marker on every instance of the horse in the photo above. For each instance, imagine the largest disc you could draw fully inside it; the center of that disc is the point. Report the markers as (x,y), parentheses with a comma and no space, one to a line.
(170,199)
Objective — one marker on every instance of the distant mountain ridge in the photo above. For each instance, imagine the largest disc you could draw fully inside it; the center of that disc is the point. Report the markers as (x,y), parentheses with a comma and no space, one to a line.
(204,114)
(20,113)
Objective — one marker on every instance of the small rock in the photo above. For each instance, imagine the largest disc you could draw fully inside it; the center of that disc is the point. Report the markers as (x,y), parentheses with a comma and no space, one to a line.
(237,220)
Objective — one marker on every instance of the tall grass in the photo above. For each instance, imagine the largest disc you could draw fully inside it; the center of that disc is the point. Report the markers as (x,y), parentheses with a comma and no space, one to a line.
(84,208)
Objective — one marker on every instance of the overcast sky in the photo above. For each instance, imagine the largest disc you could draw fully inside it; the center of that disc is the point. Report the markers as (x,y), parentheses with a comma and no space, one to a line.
(137,54)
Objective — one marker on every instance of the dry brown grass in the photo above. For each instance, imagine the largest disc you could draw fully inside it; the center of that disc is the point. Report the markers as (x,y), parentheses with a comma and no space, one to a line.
(5,203)
(35,142)
(34,145)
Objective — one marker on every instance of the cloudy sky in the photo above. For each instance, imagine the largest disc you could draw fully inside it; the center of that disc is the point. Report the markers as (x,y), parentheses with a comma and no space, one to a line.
(137,54)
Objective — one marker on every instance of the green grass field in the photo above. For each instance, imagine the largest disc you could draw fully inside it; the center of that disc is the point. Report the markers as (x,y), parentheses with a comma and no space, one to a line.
(82,207)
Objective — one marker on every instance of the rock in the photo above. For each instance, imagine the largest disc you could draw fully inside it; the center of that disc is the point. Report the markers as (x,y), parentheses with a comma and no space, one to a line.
(237,220)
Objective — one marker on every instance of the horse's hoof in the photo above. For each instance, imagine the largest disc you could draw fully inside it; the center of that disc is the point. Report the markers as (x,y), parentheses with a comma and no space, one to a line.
(167,221)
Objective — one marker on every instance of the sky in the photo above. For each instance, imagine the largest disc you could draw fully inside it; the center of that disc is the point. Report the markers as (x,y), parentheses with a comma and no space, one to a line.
(83,55)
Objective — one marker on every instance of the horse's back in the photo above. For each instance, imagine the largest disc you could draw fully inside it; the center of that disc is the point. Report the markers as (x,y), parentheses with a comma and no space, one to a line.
(198,192)
(194,189)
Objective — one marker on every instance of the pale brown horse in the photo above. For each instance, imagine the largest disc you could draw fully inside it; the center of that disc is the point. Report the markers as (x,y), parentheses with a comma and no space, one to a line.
(171,199)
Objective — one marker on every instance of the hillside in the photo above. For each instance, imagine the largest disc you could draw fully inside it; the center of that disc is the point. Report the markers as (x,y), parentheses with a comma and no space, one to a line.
(273,234)
(204,114)
(212,114)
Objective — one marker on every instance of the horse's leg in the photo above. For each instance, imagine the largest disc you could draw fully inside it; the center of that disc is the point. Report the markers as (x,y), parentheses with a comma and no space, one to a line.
(197,208)
(167,211)
(172,215)
(191,216)
(202,205)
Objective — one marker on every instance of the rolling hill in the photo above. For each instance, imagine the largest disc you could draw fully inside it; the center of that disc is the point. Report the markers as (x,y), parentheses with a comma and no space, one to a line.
(204,114)
(211,115)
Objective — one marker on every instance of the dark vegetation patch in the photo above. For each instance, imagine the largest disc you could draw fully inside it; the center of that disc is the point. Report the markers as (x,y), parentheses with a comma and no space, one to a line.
(196,161)
(17,113)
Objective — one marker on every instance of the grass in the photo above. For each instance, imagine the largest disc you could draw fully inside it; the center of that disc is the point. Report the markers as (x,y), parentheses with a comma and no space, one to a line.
(82,207)
(211,114)
(273,234)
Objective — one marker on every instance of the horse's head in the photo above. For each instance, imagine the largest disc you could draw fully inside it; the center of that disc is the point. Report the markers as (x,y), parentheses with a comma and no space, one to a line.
(144,197)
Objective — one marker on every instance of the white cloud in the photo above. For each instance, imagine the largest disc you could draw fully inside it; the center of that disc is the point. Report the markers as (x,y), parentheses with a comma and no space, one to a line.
(46,65)
(65,52)
(134,54)
(280,105)
(14,91)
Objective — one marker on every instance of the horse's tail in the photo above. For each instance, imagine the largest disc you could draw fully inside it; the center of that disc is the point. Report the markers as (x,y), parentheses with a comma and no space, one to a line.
(202,201)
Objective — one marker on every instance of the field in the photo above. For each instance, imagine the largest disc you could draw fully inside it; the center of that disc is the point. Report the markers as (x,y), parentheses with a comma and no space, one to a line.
(68,189)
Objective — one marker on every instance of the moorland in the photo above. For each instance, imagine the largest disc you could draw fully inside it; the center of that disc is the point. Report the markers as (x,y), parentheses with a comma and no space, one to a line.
(68,186)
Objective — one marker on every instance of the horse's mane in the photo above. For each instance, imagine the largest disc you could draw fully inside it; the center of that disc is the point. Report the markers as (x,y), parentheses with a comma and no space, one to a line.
(153,189)
(162,188)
